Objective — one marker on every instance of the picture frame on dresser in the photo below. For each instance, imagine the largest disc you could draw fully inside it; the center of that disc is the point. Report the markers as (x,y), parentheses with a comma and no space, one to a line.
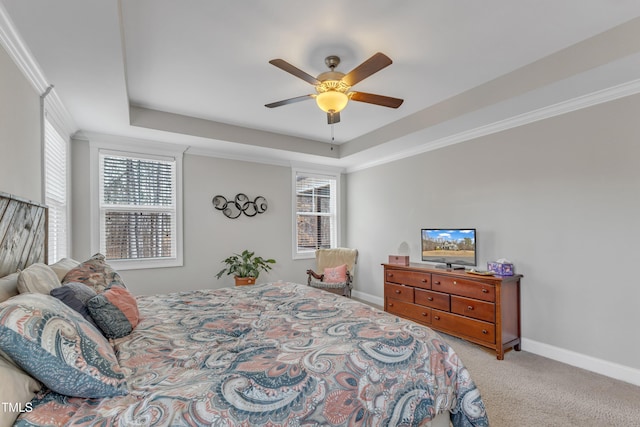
(484,310)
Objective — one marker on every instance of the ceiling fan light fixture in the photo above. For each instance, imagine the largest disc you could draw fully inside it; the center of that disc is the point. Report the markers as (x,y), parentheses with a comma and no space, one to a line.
(332,101)
(333,88)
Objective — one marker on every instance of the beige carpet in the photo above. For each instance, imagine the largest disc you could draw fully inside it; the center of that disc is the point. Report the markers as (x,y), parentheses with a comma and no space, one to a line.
(528,390)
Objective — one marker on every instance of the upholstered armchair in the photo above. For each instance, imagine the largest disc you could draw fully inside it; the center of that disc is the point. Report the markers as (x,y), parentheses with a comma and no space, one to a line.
(334,270)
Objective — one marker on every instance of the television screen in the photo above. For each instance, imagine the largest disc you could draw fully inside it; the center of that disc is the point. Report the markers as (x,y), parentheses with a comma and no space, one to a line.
(449,246)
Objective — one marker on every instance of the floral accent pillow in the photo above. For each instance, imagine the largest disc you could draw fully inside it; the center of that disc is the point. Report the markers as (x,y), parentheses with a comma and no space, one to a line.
(59,348)
(115,311)
(335,274)
(96,273)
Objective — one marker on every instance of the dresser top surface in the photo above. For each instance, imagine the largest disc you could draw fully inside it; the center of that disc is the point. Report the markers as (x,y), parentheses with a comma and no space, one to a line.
(450,272)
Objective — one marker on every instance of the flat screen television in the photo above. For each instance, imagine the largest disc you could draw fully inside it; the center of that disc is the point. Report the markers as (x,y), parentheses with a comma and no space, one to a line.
(453,247)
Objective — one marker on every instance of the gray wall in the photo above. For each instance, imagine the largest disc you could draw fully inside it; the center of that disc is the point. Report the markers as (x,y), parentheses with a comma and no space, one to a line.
(209,236)
(559,198)
(20,140)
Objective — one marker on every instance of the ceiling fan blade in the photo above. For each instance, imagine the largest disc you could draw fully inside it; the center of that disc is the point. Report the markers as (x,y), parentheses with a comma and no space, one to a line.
(333,118)
(285,66)
(288,101)
(370,98)
(372,65)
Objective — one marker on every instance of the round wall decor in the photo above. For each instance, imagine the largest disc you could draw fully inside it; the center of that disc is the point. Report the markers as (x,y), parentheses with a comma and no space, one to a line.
(241,204)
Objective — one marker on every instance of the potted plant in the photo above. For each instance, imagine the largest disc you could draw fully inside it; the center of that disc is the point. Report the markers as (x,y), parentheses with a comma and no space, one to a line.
(245,267)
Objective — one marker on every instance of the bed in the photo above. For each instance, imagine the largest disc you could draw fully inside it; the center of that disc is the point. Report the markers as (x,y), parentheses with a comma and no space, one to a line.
(276,354)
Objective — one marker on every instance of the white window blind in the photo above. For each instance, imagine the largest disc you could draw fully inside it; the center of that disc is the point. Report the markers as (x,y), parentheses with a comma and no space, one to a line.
(55,189)
(138,209)
(316,212)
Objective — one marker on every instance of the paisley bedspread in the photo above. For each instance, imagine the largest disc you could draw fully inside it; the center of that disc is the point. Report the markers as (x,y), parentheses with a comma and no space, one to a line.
(277,354)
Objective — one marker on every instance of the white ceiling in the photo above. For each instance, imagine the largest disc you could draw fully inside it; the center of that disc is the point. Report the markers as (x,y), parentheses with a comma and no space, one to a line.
(463,68)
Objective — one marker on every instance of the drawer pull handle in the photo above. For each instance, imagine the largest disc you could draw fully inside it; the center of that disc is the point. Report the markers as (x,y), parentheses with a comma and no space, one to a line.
(430,298)
(485,291)
(436,283)
(484,331)
(397,291)
(436,317)
(424,280)
(390,275)
(469,307)
(425,314)
(390,304)
(455,283)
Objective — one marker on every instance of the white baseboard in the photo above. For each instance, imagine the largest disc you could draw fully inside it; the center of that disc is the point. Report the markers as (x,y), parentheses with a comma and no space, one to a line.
(368,298)
(603,367)
(599,366)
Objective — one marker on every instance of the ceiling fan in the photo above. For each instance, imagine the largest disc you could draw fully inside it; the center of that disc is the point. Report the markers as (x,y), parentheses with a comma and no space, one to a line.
(333,88)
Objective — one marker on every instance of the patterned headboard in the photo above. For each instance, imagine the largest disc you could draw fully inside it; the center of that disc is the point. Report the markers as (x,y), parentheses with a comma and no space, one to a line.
(23,233)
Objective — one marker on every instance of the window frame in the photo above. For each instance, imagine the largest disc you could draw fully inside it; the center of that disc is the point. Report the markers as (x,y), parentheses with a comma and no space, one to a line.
(134,149)
(335,231)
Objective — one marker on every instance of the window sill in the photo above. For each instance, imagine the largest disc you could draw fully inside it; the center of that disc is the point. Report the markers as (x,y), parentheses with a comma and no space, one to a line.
(304,255)
(141,264)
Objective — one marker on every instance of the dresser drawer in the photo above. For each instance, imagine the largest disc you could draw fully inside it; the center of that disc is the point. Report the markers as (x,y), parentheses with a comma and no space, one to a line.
(473,308)
(464,287)
(398,292)
(409,311)
(412,278)
(464,326)
(432,299)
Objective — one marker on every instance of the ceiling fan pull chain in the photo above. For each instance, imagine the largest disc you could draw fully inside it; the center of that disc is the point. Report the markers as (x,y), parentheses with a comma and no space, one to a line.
(332,136)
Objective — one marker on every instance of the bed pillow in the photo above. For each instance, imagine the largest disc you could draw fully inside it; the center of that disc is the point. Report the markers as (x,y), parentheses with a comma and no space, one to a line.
(94,272)
(18,388)
(115,311)
(335,274)
(9,286)
(62,267)
(56,346)
(37,278)
(76,296)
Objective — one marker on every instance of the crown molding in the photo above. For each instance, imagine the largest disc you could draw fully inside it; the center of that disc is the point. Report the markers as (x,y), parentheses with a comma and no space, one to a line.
(19,52)
(129,144)
(574,104)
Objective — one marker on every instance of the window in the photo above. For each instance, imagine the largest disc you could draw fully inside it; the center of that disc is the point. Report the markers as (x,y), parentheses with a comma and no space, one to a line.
(316,212)
(56,128)
(139,209)
(55,191)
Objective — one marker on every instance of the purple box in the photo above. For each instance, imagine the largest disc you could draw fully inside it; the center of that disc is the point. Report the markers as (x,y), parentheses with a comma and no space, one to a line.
(500,268)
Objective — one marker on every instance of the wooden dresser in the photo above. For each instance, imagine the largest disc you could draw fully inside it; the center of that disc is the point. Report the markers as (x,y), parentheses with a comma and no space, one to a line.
(481,309)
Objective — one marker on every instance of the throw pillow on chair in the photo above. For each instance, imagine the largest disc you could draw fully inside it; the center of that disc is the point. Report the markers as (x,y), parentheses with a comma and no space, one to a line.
(335,274)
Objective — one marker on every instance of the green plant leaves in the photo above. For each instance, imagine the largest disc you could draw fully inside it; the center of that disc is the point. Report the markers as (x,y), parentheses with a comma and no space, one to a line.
(245,264)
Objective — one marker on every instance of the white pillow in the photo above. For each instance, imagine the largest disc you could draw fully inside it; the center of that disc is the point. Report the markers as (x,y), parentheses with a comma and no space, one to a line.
(8,286)
(37,279)
(18,388)
(63,266)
